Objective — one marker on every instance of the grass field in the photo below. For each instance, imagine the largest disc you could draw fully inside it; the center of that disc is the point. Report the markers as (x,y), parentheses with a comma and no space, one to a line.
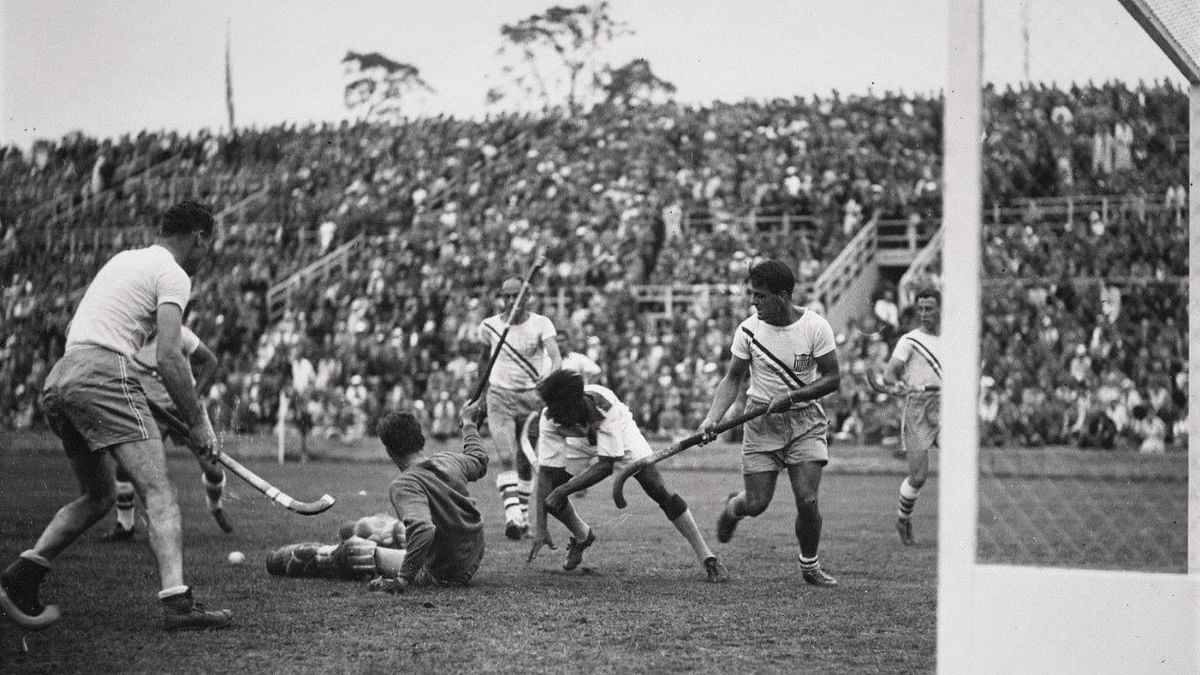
(638,604)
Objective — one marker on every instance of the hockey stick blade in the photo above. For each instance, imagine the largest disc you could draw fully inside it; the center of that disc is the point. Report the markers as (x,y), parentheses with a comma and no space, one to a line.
(294,505)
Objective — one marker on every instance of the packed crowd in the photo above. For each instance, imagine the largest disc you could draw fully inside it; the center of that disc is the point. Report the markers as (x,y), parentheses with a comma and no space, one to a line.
(614,198)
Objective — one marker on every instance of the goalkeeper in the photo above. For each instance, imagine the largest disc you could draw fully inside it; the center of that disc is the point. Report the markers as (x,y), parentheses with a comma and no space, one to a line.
(437,536)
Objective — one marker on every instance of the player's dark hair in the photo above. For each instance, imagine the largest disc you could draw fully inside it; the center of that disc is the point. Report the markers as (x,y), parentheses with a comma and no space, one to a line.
(928,293)
(401,434)
(562,392)
(774,276)
(187,217)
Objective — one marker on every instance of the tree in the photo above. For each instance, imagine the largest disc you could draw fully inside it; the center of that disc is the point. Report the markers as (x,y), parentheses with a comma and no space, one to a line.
(634,84)
(378,85)
(555,56)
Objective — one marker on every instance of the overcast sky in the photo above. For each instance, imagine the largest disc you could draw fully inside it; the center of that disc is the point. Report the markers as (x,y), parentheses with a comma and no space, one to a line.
(124,65)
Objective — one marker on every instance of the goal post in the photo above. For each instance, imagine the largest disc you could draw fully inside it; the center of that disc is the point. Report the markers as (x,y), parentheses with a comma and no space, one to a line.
(1001,618)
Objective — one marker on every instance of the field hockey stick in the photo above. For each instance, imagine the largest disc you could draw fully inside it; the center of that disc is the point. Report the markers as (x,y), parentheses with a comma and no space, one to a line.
(875,379)
(512,312)
(618,488)
(303,508)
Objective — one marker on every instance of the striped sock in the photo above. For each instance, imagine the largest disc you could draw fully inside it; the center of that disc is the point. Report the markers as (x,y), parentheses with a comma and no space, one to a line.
(125,504)
(809,564)
(214,492)
(523,491)
(506,484)
(908,499)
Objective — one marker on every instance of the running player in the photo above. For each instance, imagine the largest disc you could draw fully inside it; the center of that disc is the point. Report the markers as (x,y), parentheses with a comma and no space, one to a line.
(585,433)
(96,405)
(787,352)
(916,369)
(530,351)
(202,364)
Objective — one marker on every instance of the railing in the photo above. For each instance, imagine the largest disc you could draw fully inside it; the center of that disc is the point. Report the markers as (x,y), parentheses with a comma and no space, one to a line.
(920,267)
(845,268)
(279,295)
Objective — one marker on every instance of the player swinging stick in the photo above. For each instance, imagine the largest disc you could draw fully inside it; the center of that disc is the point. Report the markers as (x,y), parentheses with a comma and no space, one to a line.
(202,363)
(529,351)
(915,369)
(95,404)
(787,351)
(585,423)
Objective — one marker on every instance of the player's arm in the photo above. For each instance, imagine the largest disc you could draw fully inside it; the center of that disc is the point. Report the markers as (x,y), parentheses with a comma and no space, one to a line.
(727,392)
(413,511)
(177,378)
(599,470)
(829,380)
(553,351)
(475,457)
(204,367)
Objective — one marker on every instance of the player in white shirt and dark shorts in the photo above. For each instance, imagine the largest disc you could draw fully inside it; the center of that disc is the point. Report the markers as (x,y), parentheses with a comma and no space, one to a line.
(94,402)
(202,363)
(584,434)
(529,353)
(916,364)
(786,352)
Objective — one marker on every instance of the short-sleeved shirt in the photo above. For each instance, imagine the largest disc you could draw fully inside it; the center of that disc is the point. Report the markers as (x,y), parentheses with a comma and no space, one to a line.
(524,359)
(782,358)
(921,354)
(616,434)
(118,311)
(146,358)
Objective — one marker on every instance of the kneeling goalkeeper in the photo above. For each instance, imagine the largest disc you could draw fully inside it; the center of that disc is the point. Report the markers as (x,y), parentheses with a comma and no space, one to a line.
(437,518)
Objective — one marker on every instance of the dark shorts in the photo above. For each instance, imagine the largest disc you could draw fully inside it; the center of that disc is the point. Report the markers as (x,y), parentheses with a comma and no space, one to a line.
(94,400)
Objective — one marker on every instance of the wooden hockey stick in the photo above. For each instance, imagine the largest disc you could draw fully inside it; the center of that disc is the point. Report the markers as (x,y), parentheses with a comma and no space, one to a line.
(294,505)
(634,467)
(875,379)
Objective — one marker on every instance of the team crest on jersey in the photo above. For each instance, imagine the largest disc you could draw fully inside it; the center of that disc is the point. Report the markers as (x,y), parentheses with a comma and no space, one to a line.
(801,362)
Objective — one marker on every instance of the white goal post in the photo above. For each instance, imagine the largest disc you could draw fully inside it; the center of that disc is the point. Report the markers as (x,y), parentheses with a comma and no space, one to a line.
(1011,619)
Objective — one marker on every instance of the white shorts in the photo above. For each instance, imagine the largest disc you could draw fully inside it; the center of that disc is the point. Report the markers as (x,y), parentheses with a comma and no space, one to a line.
(576,455)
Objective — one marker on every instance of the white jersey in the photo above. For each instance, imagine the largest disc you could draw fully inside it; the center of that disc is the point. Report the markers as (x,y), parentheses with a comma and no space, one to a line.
(921,354)
(782,358)
(119,310)
(616,432)
(524,359)
(146,359)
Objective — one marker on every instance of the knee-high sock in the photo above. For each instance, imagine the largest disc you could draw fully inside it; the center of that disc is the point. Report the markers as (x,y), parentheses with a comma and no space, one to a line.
(908,499)
(524,488)
(686,525)
(506,484)
(125,504)
(214,491)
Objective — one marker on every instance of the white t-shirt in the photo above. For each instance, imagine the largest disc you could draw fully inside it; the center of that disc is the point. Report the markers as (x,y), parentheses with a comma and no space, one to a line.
(118,310)
(616,433)
(782,358)
(922,357)
(580,363)
(524,359)
(146,358)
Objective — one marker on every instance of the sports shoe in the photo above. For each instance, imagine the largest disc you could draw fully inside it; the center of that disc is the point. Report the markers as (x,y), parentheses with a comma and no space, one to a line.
(514,530)
(575,550)
(218,514)
(716,572)
(904,527)
(725,522)
(819,577)
(25,609)
(119,533)
(182,612)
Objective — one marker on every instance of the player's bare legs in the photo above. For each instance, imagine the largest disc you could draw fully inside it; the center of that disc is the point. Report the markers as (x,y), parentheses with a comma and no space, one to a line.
(677,511)
(753,500)
(146,465)
(514,492)
(806,484)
